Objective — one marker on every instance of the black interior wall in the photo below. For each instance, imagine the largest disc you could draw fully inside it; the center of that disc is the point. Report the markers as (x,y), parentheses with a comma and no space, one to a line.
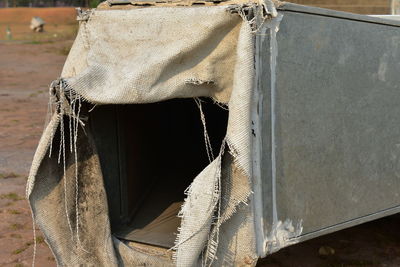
(150,153)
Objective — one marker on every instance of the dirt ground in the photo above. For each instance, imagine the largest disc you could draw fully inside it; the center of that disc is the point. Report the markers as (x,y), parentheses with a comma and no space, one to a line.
(60,24)
(25,73)
(28,63)
(26,69)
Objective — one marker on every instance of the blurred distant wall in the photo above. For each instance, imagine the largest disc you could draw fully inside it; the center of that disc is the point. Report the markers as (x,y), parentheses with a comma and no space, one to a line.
(354,6)
(49,3)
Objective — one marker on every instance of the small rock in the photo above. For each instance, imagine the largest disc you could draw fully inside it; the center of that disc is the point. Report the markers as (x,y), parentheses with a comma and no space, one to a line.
(37,24)
(326,251)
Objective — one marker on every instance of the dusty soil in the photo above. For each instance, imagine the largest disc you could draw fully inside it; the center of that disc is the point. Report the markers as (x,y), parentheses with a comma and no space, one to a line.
(52,15)
(25,73)
(371,244)
(28,63)
(60,24)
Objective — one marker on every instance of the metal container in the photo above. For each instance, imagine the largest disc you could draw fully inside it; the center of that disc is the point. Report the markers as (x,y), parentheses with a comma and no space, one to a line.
(330,156)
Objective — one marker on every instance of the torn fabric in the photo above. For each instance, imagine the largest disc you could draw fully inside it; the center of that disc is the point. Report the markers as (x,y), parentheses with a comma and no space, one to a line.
(135,57)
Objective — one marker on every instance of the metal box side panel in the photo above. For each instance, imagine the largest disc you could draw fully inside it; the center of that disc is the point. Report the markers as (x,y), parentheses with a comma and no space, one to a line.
(337,121)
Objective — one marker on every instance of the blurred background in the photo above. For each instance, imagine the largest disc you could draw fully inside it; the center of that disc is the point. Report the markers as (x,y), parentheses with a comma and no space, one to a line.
(35,38)
(356,6)
(48,3)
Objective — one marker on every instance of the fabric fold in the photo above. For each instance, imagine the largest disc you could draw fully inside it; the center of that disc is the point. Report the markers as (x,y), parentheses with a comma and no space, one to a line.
(139,56)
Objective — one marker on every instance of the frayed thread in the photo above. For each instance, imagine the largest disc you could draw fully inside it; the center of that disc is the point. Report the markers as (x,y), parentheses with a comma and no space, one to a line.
(207,141)
(83,17)
(209,254)
(214,207)
(255,14)
(68,104)
(224,106)
(196,81)
(34,239)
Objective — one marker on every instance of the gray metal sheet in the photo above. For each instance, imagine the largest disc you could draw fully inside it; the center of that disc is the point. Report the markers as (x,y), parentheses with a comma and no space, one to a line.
(338,119)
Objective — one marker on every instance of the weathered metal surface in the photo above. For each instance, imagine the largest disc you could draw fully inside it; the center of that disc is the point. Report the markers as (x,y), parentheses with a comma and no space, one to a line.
(337,120)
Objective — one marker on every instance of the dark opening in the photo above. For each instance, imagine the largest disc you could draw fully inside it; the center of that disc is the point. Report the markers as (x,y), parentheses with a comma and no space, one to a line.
(150,153)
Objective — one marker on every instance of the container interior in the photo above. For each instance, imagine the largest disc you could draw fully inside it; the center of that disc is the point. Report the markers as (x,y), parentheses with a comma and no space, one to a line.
(149,154)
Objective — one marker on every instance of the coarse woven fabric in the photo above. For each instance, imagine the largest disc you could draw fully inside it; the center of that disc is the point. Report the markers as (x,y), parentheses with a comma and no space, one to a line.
(142,56)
